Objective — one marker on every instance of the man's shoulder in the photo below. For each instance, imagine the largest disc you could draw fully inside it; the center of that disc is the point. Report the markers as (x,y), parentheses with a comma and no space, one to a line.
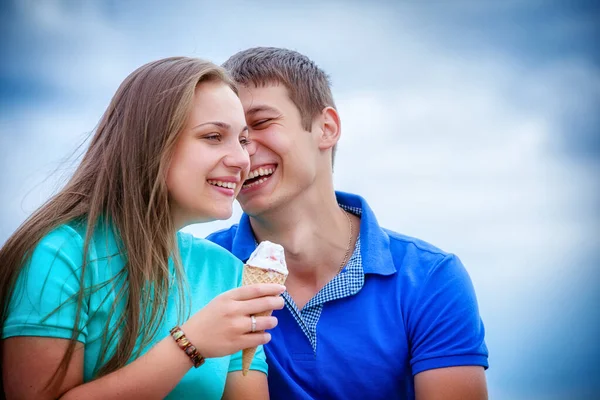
(409,255)
(224,237)
(415,257)
(399,240)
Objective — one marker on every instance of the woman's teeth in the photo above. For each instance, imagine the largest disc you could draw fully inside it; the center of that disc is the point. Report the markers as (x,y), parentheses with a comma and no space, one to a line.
(228,185)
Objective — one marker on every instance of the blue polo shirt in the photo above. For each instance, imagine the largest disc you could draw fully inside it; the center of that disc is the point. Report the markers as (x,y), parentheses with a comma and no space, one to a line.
(399,307)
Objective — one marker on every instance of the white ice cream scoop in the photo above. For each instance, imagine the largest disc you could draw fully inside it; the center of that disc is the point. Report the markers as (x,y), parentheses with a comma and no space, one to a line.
(269,255)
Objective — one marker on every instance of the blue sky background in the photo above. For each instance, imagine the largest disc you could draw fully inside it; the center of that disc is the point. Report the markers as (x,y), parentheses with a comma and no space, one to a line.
(473,125)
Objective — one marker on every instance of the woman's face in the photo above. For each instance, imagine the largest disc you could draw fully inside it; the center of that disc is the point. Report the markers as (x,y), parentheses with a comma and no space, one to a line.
(210,161)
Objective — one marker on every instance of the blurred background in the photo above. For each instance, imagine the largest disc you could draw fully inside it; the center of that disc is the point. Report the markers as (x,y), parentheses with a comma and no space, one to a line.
(473,125)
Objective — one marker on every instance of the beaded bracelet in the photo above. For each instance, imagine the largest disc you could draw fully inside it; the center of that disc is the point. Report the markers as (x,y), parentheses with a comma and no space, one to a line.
(185,345)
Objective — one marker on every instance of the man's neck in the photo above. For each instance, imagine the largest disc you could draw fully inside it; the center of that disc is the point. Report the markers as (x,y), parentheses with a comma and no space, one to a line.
(315,233)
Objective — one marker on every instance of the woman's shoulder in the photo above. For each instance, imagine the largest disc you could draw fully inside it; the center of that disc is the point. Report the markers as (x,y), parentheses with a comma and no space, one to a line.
(66,239)
(56,257)
(201,255)
(192,243)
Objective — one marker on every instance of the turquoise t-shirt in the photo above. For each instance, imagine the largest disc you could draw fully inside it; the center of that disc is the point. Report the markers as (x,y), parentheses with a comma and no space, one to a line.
(51,277)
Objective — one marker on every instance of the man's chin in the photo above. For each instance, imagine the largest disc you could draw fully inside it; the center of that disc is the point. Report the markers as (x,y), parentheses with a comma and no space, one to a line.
(253,207)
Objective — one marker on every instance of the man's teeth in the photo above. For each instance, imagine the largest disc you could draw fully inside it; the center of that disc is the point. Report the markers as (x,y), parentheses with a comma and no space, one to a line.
(229,185)
(261,180)
(260,172)
(266,172)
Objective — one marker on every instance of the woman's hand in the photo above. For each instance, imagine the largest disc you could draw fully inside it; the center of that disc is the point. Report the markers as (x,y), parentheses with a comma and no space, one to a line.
(224,326)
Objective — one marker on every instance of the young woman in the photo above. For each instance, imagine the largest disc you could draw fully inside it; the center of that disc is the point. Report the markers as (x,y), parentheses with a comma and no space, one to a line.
(102,297)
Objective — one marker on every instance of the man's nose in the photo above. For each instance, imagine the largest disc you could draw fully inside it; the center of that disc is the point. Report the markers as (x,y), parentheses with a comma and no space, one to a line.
(251,148)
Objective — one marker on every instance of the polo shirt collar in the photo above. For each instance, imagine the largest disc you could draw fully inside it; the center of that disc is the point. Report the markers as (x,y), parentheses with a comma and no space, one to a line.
(375,243)
(243,240)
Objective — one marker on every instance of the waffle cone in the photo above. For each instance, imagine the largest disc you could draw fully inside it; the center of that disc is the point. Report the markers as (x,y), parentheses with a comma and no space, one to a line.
(251,276)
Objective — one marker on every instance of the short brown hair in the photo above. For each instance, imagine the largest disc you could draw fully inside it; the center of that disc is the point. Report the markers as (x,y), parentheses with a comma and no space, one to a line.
(309,86)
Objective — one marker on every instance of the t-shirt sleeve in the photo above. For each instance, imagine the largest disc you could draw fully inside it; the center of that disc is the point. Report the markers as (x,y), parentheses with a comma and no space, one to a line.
(259,363)
(445,327)
(44,300)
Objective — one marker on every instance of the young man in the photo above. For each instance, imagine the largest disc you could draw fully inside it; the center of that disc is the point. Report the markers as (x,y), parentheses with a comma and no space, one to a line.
(370,313)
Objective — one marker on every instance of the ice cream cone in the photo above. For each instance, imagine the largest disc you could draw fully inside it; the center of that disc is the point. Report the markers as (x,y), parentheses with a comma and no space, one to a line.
(266,265)
(251,276)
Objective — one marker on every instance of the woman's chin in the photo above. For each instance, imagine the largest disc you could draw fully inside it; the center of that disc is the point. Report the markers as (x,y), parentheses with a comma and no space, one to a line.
(219,215)
(207,218)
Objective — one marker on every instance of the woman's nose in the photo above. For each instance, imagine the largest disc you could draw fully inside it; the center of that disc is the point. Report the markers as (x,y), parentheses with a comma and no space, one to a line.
(238,157)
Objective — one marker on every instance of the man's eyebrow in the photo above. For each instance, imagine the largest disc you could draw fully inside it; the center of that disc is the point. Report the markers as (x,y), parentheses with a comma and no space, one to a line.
(257,109)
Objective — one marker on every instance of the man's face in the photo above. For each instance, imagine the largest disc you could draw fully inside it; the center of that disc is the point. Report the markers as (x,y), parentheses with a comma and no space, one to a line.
(283,156)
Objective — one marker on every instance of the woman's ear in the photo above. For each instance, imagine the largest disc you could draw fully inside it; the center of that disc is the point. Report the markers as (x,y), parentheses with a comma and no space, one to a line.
(330,128)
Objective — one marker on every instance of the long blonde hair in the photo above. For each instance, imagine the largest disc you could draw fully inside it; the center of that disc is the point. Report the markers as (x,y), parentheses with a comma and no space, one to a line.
(122,178)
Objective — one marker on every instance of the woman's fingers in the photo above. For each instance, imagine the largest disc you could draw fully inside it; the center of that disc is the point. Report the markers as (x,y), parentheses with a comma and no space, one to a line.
(254,291)
(255,339)
(224,325)
(262,323)
(262,304)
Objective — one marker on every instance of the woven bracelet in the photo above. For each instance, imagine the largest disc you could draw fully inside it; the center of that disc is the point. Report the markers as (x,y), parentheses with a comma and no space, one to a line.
(185,345)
